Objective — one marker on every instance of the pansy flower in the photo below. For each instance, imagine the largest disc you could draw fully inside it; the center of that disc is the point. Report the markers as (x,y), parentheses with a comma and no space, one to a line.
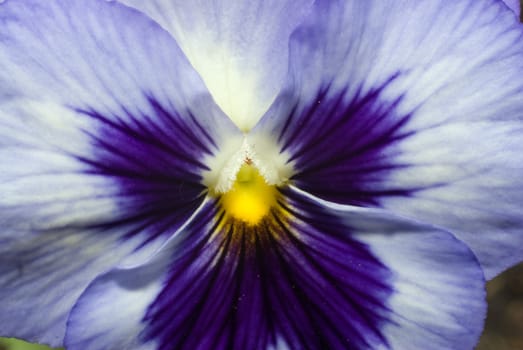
(329,174)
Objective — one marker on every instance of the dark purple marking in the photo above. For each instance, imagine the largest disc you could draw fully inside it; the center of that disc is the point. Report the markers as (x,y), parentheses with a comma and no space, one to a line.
(297,277)
(156,162)
(341,145)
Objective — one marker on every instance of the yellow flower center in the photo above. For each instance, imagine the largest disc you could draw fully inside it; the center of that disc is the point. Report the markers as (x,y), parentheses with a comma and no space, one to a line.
(250,199)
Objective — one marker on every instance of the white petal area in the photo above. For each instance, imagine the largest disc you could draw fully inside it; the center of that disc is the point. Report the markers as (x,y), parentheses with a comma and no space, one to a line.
(446,73)
(240,48)
(42,181)
(470,180)
(261,151)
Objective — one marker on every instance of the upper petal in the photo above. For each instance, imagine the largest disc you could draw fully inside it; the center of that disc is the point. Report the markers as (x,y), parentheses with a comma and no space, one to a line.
(240,48)
(105,131)
(419,114)
(315,275)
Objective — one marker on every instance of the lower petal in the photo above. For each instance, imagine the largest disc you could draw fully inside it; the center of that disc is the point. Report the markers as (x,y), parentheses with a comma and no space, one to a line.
(314,274)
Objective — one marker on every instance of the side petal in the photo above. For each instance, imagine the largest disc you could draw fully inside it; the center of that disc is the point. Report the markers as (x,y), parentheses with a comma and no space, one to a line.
(422,116)
(314,275)
(105,130)
(240,48)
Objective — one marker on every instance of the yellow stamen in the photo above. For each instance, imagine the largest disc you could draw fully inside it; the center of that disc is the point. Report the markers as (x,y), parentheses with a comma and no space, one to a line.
(250,198)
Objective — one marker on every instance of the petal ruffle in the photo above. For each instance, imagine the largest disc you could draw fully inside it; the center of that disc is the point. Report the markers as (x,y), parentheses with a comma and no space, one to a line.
(105,131)
(240,48)
(420,114)
(314,275)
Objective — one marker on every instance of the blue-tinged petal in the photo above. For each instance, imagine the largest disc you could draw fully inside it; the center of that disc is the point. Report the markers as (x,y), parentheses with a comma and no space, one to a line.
(105,133)
(240,48)
(515,5)
(311,275)
(421,114)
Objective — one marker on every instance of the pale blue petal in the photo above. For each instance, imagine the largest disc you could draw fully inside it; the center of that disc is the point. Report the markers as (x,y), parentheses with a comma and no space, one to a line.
(240,47)
(42,278)
(412,107)
(330,277)
(515,5)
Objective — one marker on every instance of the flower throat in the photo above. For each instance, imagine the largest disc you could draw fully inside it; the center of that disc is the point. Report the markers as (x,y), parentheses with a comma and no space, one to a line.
(250,199)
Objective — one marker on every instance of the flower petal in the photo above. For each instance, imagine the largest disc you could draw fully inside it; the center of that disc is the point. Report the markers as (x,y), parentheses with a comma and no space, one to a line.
(239,47)
(420,115)
(314,275)
(515,5)
(101,151)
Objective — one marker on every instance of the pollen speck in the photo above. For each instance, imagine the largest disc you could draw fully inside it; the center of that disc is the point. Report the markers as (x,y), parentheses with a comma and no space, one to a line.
(250,198)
